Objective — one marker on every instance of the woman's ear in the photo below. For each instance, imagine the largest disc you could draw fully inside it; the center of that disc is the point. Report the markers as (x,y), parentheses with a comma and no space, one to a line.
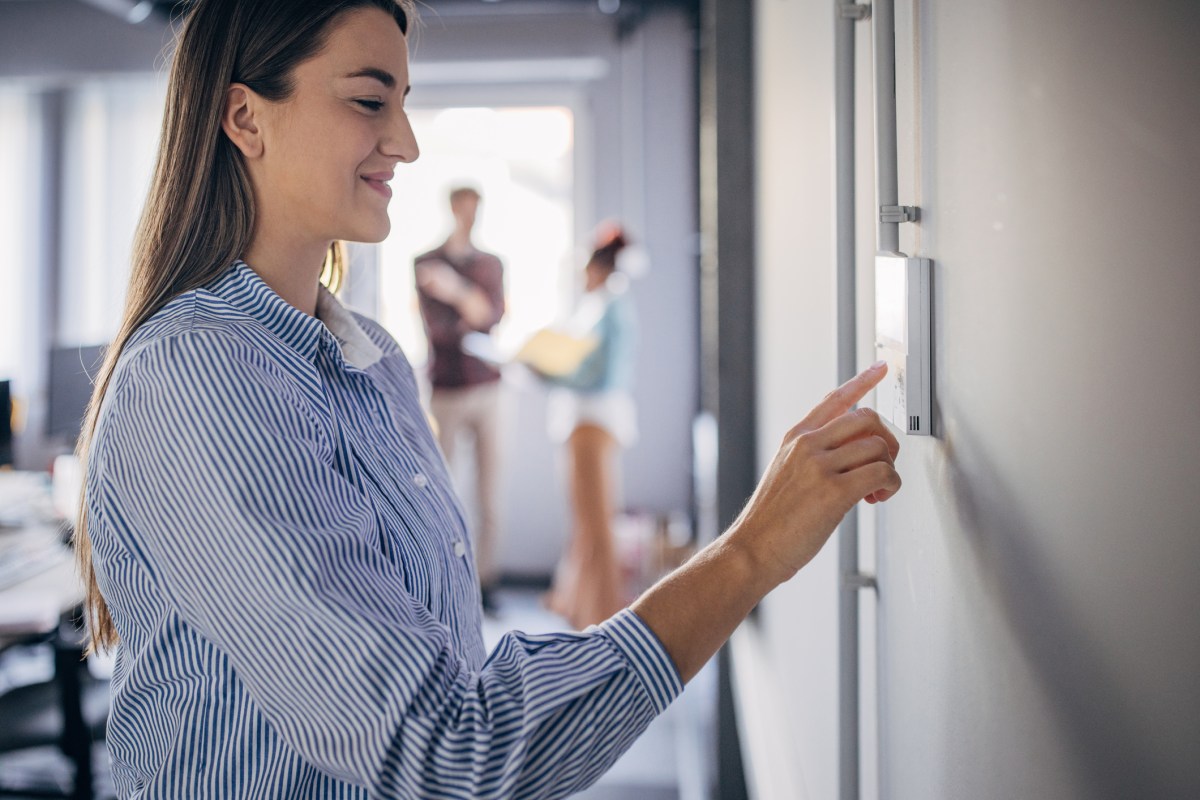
(239,122)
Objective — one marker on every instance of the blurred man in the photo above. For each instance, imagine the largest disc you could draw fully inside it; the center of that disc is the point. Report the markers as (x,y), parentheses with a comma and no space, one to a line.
(461,290)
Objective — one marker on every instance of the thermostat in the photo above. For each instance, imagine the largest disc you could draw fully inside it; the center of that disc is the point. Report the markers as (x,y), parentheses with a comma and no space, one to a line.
(902,312)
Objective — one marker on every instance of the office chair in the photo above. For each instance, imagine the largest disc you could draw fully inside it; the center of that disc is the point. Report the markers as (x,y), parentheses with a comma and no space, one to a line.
(68,712)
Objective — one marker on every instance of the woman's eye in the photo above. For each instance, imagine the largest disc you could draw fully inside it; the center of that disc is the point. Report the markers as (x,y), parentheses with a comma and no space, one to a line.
(372,105)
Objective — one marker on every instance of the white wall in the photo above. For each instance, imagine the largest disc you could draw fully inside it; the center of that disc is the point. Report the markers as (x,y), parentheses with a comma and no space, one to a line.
(1037,625)
(790,735)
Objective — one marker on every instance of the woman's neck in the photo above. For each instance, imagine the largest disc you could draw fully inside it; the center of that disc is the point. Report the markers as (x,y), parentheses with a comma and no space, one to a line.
(291,269)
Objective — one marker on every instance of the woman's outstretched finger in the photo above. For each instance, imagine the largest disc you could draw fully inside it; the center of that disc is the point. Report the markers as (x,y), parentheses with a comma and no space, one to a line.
(844,398)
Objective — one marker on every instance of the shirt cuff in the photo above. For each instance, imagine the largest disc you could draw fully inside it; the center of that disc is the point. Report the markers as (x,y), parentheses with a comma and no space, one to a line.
(647,655)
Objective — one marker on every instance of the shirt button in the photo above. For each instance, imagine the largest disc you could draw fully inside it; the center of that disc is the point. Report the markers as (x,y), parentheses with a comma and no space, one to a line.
(420,481)
(460,549)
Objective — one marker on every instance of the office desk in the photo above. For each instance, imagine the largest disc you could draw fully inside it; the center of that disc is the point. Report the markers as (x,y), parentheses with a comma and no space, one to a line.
(34,606)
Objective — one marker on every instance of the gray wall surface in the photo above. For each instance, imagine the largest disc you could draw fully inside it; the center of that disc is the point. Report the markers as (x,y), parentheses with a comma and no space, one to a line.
(1037,612)
(639,166)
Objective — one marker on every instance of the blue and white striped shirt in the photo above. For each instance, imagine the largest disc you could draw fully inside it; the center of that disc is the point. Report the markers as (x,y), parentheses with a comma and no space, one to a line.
(277,539)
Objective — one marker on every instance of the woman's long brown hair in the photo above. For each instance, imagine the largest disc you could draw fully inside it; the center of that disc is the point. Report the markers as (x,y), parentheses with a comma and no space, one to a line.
(199,214)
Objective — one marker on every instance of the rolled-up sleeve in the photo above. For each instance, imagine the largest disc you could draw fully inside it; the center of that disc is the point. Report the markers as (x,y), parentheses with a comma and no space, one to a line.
(219,473)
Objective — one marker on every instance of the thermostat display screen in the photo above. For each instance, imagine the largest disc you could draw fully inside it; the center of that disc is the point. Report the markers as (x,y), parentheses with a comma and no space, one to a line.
(891,307)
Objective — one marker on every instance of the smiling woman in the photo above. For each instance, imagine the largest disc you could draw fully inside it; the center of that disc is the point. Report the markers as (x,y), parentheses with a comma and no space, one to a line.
(345,122)
(268,530)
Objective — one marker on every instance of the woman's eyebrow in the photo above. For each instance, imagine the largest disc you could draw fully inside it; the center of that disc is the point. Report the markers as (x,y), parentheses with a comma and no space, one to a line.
(383,76)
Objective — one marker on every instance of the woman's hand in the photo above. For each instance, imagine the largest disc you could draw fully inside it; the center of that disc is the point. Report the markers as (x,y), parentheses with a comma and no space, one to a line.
(827,463)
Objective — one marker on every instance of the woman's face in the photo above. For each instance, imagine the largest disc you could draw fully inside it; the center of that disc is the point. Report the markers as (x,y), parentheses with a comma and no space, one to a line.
(330,149)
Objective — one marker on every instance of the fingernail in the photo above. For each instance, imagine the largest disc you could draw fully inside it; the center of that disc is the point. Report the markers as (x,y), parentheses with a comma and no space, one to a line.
(878,365)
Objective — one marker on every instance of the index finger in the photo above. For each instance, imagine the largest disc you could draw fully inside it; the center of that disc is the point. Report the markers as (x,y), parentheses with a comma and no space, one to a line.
(845,397)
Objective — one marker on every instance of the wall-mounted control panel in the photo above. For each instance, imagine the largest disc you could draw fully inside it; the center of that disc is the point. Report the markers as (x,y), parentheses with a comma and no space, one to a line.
(902,315)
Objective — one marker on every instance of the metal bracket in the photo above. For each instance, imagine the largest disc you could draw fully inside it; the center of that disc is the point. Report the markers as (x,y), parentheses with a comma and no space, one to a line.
(854,11)
(859,580)
(899,213)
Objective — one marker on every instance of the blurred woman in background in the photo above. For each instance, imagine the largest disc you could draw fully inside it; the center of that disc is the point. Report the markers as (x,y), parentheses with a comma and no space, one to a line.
(591,411)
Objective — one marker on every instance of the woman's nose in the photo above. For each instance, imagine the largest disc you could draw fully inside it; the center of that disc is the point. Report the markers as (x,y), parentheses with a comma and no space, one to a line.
(401,142)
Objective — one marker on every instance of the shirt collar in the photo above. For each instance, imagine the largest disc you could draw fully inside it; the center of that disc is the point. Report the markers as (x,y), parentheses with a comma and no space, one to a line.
(357,348)
(245,290)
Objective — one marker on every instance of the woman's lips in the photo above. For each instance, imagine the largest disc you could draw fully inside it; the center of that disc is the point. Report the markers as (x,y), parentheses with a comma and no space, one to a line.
(378,182)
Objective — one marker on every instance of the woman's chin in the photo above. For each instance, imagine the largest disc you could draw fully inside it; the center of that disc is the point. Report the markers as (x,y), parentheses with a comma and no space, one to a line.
(371,234)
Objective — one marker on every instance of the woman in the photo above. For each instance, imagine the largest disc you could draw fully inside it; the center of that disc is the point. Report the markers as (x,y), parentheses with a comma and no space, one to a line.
(269,533)
(591,411)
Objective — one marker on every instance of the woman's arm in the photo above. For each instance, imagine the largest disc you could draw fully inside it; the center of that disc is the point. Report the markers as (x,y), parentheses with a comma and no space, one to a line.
(218,477)
(827,463)
(478,299)
(216,471)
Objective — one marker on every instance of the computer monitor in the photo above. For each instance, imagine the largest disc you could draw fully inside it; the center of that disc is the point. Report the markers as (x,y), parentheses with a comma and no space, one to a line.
(72,371)
(6,434)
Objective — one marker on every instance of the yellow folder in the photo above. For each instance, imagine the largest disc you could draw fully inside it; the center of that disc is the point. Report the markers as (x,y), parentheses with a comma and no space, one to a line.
(554,353)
